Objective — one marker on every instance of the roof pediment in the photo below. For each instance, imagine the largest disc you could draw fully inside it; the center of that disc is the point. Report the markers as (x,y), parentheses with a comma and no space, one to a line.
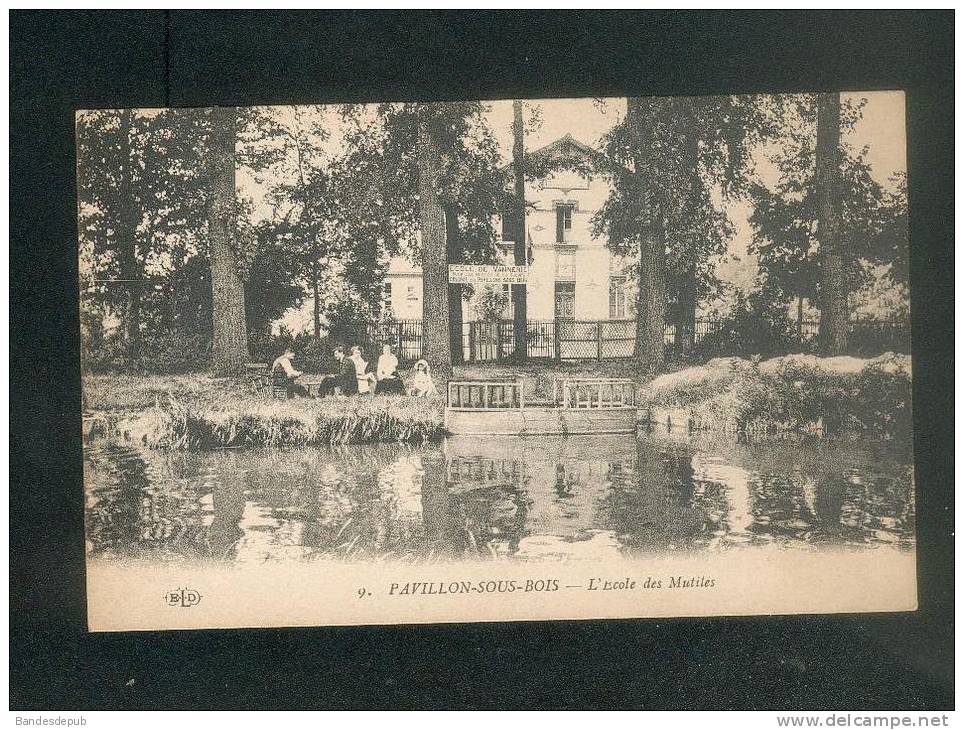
(564,149)
(568,151)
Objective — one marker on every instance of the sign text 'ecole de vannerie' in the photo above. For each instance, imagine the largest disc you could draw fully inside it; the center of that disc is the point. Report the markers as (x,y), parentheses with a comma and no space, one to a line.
(487,274)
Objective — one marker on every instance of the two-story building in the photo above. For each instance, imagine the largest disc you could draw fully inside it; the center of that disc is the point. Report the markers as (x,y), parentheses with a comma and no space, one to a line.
(572,275)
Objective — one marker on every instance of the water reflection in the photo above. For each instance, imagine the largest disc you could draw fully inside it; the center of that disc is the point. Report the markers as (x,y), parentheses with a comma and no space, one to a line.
(532,498)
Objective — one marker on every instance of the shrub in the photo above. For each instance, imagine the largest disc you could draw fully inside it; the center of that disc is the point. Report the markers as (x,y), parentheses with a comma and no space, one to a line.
(348,321)
(313,355)
(490,304)
(755,325)
(102,354)
(867,398)
(162,353)
(868,336)
(174,352)
(881,403)
(695,384)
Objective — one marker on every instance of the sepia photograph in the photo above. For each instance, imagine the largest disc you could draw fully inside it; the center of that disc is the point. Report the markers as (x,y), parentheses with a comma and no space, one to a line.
(482,360)
(551,348)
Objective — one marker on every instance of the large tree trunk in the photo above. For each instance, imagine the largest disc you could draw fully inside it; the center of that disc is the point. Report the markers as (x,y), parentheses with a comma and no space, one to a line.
(436,346)
(834,315)
(453,245)
(134,325)
(131,269)
(316,296)
(687,286)
(306,213)
(230,350)
(685,321)
(651,302)
(519,316)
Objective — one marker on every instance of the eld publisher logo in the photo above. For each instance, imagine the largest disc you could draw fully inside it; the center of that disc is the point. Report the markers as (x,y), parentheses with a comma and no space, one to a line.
(183,597)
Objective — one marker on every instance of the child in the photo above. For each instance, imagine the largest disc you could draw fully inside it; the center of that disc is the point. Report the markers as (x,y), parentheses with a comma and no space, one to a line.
(422,384)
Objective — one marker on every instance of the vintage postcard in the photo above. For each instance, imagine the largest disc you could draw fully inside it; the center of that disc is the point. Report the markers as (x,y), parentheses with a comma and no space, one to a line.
(496,360)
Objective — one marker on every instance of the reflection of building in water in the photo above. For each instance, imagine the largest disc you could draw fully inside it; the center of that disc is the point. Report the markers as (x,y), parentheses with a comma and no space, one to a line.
(474,505)
(538,497)
(651,503)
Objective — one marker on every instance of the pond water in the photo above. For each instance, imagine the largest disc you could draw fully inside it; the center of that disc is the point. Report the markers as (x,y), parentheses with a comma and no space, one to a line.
(525,498)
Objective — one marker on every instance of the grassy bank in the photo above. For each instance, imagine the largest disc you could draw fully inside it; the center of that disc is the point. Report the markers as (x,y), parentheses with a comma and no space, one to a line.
(798,393)
(869,398)
(198,411)
(124,394)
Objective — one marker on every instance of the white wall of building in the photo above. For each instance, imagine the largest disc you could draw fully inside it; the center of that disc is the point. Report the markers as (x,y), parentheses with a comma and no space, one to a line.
(581,259)
(402,289)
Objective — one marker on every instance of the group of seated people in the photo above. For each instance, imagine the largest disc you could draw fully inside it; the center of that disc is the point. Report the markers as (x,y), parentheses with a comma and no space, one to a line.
(354,376)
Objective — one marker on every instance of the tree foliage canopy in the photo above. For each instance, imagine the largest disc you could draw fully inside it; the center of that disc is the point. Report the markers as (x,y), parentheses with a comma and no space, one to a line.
(693,156)
(873,218)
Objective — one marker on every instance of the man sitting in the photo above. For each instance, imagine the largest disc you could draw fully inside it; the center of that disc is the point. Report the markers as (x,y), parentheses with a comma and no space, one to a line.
(347,383)
(283,373)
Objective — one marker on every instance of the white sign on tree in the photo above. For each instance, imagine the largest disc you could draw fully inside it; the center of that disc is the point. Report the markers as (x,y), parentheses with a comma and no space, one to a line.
(487,274)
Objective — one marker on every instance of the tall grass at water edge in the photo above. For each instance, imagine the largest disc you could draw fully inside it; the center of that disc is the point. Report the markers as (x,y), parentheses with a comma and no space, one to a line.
(174,424)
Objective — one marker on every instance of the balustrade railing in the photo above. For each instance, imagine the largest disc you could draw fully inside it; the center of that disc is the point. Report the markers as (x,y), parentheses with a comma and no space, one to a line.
(485,395)
(597,393)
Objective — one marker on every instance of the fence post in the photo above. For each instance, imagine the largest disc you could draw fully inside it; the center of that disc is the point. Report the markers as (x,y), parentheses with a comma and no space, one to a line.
(498,339)
(471,341)
(556,343)
(599,341)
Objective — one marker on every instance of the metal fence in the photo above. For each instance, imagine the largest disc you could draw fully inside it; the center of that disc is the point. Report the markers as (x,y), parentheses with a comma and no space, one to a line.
(405,337)
(614,339)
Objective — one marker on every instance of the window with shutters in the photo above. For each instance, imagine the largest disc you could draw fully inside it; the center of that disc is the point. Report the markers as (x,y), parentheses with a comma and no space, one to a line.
(617,297)
(563,222)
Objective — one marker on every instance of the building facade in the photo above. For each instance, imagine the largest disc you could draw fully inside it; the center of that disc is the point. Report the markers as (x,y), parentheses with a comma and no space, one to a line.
(572,273)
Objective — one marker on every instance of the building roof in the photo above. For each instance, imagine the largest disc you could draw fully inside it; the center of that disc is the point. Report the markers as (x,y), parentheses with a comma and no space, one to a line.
(568,147)
(564,144)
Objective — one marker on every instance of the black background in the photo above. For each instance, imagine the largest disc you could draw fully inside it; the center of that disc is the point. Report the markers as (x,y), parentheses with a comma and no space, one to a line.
(62,61)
